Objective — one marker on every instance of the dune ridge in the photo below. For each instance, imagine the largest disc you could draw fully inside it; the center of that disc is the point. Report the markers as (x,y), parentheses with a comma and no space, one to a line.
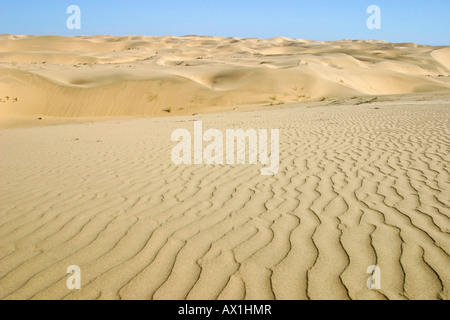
(154,76)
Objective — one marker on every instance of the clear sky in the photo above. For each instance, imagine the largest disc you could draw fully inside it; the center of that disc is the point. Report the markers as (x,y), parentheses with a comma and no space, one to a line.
(424,22)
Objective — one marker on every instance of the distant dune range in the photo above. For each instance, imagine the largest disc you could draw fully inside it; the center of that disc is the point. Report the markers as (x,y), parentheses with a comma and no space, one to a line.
(154,76)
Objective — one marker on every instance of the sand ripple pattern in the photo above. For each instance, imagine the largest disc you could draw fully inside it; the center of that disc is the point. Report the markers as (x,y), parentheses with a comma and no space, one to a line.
(358,186)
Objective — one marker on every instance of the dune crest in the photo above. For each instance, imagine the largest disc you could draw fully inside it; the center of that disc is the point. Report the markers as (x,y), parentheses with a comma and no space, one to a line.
(154,76)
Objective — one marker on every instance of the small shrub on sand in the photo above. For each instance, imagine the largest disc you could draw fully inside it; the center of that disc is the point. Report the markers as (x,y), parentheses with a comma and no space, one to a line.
(152,97)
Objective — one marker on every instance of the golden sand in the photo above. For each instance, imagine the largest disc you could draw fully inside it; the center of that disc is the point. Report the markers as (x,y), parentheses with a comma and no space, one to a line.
(363,180)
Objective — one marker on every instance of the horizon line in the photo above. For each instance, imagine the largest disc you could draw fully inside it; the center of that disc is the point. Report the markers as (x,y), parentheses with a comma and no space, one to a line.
(225,37)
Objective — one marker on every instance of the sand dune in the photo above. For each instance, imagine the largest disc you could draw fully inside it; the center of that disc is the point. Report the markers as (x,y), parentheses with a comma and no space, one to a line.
(151,76)
(364,175)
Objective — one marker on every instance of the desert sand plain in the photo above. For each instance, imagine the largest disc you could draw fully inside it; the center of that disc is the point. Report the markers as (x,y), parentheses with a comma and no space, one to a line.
(86,176)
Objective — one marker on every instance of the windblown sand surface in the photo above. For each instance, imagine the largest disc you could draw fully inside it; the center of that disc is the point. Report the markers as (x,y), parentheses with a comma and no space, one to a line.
(364,178)
(357,186)
(151,76)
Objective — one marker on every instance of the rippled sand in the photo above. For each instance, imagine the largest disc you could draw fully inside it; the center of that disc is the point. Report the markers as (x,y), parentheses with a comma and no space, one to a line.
(358,185)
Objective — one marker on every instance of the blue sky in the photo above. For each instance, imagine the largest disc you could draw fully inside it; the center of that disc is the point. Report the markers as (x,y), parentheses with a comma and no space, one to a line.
(424,22)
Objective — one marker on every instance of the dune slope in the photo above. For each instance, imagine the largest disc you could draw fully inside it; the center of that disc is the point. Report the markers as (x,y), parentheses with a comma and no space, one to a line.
(151,76)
